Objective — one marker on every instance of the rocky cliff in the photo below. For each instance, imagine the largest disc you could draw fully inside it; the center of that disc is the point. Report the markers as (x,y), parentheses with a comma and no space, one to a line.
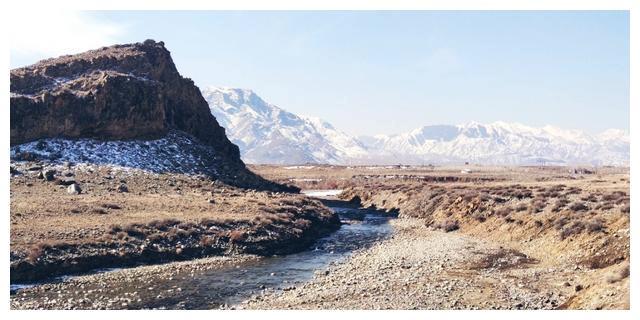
(122,92)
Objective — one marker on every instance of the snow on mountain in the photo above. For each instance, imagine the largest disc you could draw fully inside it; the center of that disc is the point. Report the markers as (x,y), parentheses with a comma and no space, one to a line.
(266,133)
(502,143)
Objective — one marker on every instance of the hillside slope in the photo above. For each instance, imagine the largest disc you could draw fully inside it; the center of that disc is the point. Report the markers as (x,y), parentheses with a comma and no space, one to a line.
(266,133)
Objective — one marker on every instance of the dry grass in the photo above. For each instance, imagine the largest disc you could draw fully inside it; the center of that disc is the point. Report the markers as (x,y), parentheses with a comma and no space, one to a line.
(43,212)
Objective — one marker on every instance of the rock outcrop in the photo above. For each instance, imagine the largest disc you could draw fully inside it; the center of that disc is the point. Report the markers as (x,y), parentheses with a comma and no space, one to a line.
(122,92)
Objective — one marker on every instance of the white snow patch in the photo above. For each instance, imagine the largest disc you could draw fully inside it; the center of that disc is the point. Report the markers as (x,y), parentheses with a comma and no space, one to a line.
(322,193)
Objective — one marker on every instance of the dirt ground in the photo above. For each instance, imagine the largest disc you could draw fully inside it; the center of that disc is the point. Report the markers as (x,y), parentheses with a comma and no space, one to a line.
(466,237)
(43,210)
(123,215)
(572,224)
(420,268)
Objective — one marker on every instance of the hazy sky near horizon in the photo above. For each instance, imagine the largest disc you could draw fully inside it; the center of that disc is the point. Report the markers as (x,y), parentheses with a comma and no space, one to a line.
(377,72)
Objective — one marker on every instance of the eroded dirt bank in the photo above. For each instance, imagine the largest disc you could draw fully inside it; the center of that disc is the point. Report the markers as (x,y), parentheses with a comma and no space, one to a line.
(575,228)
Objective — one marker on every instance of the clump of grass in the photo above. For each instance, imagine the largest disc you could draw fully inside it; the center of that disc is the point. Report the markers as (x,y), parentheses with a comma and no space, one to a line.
(134,230)
(479,216)
(504,211)
(111,206)
(163,224)
(114,229)
(576,227)
(578,206)
(449,225)
(99,211)
(302,224)
(595,225)
(237,235)
(560,204)
(537,205)
(208,241)
(36,252)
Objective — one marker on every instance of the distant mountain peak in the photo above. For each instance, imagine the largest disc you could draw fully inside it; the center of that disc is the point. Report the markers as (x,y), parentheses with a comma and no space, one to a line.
(266,133)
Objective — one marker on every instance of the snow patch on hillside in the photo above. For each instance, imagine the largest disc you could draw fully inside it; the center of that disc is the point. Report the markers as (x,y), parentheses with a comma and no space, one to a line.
(177,152)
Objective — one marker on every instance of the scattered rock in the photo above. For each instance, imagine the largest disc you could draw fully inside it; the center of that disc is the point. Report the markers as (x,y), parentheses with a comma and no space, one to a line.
(122,188)
(47,175)
(66,182)
(74,189)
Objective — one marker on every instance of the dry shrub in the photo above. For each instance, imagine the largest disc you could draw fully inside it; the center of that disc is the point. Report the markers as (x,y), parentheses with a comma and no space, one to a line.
(578,206)
(134,230)
(605,206)
(537,205)
(163,224)
(111,206)
(449,225)
(576,227)
(479,216)
(560,204)
(595,225)
(208,241)
(504,211)
(468,196)
(36,252)
(590,198)
(302,224)
(625,209)
(114,228)
(573,190)
(614,196)
(620,274)
(237,235)
(208,222)
(561,222)
(98,211)
(521,207)
(155,237)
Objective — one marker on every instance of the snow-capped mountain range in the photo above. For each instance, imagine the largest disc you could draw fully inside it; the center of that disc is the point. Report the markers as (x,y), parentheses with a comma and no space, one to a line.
(266,133)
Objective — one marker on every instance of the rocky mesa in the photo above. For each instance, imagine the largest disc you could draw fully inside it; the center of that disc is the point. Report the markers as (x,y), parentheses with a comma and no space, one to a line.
(130,92)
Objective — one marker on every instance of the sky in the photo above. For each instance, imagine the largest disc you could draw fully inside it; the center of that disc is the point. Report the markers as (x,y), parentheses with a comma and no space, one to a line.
(373,72)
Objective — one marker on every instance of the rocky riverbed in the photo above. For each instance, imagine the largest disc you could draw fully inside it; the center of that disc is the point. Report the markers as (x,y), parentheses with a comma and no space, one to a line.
(421,268)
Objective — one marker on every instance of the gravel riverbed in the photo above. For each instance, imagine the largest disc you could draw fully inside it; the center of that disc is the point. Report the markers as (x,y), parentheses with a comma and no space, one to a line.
(419,268)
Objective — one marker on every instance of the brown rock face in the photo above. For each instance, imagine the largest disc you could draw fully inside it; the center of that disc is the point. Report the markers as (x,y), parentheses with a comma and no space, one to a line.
(122,92)
(125,92)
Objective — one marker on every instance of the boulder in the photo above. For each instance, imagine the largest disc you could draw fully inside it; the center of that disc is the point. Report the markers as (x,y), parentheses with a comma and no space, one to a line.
(74,189)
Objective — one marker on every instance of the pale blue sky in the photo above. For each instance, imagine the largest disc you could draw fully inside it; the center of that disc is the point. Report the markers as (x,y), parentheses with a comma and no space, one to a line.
(386,72)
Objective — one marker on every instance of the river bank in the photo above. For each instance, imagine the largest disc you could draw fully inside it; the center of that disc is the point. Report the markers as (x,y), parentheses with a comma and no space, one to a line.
(211,283)
(69,219)
(422,268)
